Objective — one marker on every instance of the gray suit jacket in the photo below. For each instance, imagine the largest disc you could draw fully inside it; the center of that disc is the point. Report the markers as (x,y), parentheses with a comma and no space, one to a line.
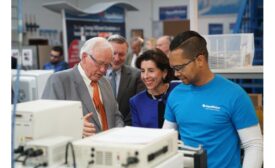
(69,85)
(130,84)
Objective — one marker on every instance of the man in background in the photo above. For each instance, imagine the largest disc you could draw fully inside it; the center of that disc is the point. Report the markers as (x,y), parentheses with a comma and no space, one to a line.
(125,80)
(136,46)
(56,60)
(85,82)
(163,44)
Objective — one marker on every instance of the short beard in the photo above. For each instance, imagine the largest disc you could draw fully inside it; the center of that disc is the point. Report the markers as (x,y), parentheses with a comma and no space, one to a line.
(54,62)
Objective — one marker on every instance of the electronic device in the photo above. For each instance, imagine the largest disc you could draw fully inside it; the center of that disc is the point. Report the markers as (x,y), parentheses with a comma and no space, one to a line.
(126,147)
(32,83)
(52,151)
(175,161)
(44,118)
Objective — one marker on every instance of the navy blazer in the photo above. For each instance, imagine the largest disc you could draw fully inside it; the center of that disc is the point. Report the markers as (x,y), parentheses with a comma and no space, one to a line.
(145,110)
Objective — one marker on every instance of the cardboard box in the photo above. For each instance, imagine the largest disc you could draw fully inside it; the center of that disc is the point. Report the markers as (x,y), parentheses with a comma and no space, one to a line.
(257,100)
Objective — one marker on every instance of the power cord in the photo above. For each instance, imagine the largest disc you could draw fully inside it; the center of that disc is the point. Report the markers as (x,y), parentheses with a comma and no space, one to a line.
(36,153)
(20,151)
(28,153)
(41,164)
(69,144)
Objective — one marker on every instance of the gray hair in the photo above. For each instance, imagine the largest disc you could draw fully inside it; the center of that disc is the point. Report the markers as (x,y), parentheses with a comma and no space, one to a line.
(93,43)
(137,39)
(116,38)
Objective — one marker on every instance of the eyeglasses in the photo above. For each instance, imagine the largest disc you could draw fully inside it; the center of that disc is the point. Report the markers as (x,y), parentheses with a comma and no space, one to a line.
(179,68)
(54,56)
(99,64)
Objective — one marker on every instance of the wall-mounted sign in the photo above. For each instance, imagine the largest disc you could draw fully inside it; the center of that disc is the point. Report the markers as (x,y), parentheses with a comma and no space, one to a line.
(83,27)
(215,28)
(173,13)
(27,57)
(15,53)
(231,27)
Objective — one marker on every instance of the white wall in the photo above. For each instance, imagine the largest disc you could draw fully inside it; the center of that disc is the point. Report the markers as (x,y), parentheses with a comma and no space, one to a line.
(226,20)
(45,18)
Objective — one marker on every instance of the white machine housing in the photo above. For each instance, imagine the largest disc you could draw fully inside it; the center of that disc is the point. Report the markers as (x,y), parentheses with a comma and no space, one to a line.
(175,161)
(114,147)
(44,118)
(53,148)
(32,83)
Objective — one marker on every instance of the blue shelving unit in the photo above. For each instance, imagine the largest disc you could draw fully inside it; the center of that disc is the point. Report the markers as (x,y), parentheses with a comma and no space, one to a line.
(250,20)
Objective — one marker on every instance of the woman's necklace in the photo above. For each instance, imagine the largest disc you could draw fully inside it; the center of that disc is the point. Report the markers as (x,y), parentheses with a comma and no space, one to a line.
(158,97)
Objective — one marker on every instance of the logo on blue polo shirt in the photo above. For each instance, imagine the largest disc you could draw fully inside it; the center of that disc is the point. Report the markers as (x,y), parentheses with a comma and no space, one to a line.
(211,107)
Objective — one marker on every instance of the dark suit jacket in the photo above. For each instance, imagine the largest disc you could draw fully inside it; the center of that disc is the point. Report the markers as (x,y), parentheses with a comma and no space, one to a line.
(69,85)
(129,58)
(130,84)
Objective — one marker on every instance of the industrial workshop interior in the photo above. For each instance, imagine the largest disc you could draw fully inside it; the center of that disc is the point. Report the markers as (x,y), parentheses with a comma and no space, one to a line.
(137,84)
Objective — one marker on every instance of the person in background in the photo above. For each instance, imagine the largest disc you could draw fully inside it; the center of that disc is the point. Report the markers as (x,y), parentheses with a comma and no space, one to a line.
(147,107)
(13,63)
(124,79)
(209,110)
(85,82)
(150,43)
(56,60)
(163,44)
(136,46)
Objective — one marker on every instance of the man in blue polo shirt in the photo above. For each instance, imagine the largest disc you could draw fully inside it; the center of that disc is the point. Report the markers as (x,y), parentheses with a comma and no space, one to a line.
(56,60)
(210,110)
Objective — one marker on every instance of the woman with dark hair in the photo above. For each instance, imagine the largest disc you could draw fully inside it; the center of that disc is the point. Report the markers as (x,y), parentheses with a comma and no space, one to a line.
(147,107)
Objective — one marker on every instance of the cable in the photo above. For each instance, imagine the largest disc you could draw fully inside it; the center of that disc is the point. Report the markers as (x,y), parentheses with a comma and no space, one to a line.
(17,158)
(20,151)
(69,144)
(20,37)
(41,164)
(36,153)
(29,152)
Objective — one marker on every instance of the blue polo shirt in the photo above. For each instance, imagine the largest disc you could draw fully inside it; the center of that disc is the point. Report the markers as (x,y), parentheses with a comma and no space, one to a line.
(210,115)
(60,66)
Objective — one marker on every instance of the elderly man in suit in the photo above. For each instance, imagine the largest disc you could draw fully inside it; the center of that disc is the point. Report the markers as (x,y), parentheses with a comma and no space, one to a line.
(85,82)
(125,80)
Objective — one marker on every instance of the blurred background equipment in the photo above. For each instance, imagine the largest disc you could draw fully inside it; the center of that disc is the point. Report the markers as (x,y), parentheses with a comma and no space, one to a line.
(31,83)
